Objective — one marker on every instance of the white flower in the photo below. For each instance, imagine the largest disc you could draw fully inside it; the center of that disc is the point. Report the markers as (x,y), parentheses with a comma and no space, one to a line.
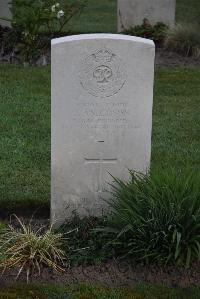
(57,4)
(60,14)
(53,8)
(25,33)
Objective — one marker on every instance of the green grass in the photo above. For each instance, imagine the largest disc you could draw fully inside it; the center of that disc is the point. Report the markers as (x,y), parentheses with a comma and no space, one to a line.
(188,11)
(25,136)
(141,291)
(176,121)
(97,16)
(101,16)
(25,130)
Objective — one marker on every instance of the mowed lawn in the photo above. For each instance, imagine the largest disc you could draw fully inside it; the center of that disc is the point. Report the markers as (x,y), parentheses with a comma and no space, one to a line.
(25,130)
(82,291)
(101,16)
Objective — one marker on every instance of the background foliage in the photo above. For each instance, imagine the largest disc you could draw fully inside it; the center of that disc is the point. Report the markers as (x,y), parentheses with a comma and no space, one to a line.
(101,16)
(31,18)
(184,39)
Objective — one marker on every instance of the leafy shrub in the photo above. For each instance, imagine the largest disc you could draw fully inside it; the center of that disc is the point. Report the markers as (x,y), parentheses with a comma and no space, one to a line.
(30,18)
(184,39)
(157,218)
(157,32)
(86,246)
(30,251)
(9,38)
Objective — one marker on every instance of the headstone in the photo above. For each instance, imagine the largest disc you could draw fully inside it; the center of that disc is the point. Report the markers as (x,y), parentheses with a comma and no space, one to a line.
(102,94)
(133,12)
(5,12)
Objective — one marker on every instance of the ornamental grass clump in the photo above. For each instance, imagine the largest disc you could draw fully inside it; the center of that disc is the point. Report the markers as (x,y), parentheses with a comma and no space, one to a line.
(156,218)
(30,250)
(184,39)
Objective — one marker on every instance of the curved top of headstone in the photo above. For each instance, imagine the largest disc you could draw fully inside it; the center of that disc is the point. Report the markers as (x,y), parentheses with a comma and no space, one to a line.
(102,36)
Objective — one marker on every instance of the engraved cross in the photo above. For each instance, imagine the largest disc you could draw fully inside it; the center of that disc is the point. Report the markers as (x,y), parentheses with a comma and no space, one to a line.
(100,162)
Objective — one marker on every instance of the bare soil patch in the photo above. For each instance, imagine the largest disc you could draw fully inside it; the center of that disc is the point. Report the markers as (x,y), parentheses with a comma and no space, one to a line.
(113,273)
(116,274)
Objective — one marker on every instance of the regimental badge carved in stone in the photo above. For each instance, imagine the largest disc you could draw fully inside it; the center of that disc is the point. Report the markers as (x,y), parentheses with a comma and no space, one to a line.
(102,73)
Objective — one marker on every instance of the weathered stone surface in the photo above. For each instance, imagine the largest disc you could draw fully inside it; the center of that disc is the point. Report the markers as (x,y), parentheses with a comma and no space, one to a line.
(102,94)
(133,12)
(5,12)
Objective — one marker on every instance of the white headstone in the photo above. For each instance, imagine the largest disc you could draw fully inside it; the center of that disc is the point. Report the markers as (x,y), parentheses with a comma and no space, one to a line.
(133,12)
(102,95)
(5,12)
